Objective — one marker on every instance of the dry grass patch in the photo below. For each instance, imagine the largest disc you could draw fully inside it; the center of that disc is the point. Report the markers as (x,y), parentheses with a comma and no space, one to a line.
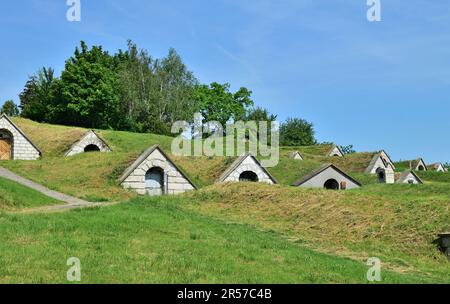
(352,224)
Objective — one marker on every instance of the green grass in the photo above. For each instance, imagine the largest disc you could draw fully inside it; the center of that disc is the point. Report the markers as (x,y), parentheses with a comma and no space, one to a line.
(397,223)
(158,241)
(433,176)
(90,176)
(15,196)
(94,176)
(402,166)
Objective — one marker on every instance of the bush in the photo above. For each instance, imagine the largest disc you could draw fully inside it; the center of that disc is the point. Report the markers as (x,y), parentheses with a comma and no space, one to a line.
(297,132)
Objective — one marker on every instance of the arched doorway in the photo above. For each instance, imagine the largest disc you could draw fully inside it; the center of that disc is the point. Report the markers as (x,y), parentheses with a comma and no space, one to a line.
(154,181)
(6,145)
(92,148)
(421,168)
(331,184)
(381,173)
(248,176)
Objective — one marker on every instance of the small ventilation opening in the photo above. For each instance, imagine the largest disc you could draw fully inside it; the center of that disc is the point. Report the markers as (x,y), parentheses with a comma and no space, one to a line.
(331,184)
(421,168)
(92,148)
(248,176)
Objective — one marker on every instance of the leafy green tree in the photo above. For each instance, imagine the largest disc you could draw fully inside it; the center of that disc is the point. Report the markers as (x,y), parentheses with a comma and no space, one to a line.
(217,103)
(37,95)
(129,91)
(174,91)
(89,96)
(348,149)
(10,108)
(297,132)
(137,82)
(259,114)
(155,93)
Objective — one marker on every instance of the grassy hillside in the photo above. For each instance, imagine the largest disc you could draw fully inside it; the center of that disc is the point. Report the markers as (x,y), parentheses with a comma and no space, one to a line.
(15,196)
(182,239)
(93,176)
(89,176)
(158,241)
(397,223)
(402,165)
(433,176)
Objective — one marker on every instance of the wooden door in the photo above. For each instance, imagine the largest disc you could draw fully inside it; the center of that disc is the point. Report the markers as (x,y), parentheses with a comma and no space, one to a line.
(5,149)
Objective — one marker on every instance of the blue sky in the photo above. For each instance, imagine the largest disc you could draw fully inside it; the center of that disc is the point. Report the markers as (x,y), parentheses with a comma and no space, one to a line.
(382,85)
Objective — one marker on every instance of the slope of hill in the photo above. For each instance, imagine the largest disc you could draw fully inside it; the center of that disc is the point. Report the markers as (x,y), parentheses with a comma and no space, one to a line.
(396,223)
(93,176)
(431,176)
(158,241)
(14,196)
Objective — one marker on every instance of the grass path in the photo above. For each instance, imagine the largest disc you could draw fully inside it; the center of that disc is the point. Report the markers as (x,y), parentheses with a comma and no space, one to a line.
(14,196)
(50,193)
(71,202)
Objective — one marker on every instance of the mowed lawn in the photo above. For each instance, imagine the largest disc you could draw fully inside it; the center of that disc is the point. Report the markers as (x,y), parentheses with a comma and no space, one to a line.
(158,241)
(15,196)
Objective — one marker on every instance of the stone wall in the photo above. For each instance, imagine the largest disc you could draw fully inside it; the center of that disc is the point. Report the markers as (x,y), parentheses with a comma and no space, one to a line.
(390,176)
(22,148)
(296,156)
(88,139)
(440,168)
(176,183)
(421,163)
(410,177)
(249,164)
(386,158)
(378,164)
(389,172)
(319,180)
(335,152)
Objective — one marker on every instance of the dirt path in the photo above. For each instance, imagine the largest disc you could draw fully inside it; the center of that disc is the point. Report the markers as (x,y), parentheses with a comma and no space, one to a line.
(71,202)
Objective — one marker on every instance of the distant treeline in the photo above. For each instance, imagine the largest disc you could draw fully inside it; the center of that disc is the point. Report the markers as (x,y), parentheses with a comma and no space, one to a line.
(132,91)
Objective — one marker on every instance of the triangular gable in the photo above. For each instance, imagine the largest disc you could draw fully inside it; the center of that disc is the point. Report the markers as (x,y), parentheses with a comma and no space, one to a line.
(238,162)
(417,163)
(437,167)
(85,135)
(4,116)
(405,176)
(322,169)
(334,149)
(296,155)
(377,158)
(388,158)
(143,157)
